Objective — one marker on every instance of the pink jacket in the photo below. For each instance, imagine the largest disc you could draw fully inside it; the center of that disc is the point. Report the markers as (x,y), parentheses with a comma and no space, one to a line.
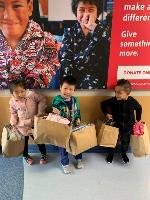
(22,112)
(35,57)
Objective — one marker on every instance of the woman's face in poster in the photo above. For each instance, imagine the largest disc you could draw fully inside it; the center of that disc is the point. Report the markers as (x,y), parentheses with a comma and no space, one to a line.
(14,17)
(85,11)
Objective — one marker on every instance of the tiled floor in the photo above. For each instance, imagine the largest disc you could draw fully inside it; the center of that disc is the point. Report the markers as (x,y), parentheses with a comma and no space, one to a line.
(97,181)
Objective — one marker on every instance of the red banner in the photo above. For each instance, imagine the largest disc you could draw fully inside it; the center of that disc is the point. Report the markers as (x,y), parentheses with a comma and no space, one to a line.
(130,43)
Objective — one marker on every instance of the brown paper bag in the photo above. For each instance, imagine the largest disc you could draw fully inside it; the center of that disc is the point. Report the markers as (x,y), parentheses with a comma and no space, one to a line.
(11,148)
(54,133)
(107,136)
(140,145)
(82,140)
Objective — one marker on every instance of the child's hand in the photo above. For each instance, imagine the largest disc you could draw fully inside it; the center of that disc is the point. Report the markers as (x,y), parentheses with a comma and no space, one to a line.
(108,116)
(14,128)
(78,121)
(138,121)
(56,111)
(41,115)
(89,22)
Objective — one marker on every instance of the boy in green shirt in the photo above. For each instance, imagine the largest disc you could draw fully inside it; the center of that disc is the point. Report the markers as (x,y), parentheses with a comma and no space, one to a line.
(66,105)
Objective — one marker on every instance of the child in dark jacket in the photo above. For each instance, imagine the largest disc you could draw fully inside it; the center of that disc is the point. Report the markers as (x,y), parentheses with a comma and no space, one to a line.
(125,111)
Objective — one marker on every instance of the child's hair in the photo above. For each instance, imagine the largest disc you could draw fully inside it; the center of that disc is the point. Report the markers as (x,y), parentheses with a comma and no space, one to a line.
(68,79)
(125,84)
(15,83)
(97,3)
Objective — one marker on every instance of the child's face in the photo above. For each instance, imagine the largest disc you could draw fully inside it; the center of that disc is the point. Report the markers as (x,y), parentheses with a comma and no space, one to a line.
(120,93)
(84,10)
(14,17)
(67,90)
(19,93)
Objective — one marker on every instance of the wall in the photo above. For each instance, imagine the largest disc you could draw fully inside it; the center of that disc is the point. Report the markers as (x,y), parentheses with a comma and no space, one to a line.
(89,103)
(63,7)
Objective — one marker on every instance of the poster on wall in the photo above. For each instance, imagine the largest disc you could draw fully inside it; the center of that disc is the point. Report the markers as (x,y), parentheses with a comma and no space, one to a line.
(27,52)
(98,42)
(130,43)
(41,50)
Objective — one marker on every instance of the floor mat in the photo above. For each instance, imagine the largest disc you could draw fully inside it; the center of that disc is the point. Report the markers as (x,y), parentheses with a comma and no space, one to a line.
(11,178)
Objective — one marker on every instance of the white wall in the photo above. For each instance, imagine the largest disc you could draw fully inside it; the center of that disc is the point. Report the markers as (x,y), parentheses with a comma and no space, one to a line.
(59,10)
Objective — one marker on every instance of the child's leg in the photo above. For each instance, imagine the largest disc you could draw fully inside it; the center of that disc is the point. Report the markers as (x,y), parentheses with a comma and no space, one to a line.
(25,152)
(41,147)
(26,156)
(79,157)
(64,160)
(110,155)
(64,156)
(42,150)
(125,142)
(111,151)
(79,161)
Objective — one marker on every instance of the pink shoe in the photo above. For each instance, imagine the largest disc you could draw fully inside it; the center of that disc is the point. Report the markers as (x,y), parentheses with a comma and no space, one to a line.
(28,159)
(43,159)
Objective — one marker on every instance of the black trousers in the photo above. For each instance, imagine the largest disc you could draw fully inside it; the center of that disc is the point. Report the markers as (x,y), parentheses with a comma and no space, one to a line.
(125,142)
(41,147)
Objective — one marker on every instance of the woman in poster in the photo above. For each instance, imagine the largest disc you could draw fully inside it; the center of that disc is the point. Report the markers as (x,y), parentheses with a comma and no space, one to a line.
(85,47)
(25,50)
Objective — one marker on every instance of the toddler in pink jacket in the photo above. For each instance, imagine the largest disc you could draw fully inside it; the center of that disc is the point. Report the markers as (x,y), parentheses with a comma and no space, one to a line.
(24,104)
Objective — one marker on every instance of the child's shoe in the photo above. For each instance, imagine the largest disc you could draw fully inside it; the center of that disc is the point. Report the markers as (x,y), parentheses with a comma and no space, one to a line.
(80,164)
(124,158)
(43,159)
(109,158)
(28,159)
(66,169)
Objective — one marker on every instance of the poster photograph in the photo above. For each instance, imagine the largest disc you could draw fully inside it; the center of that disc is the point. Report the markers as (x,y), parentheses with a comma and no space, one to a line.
(97,41)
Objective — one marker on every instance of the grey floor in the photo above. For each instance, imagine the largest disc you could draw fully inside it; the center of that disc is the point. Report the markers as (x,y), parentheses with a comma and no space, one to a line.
(11,178)
(97,181)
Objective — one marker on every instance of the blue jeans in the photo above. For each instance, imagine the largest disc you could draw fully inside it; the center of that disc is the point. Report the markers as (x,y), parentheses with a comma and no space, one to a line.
(65,158)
